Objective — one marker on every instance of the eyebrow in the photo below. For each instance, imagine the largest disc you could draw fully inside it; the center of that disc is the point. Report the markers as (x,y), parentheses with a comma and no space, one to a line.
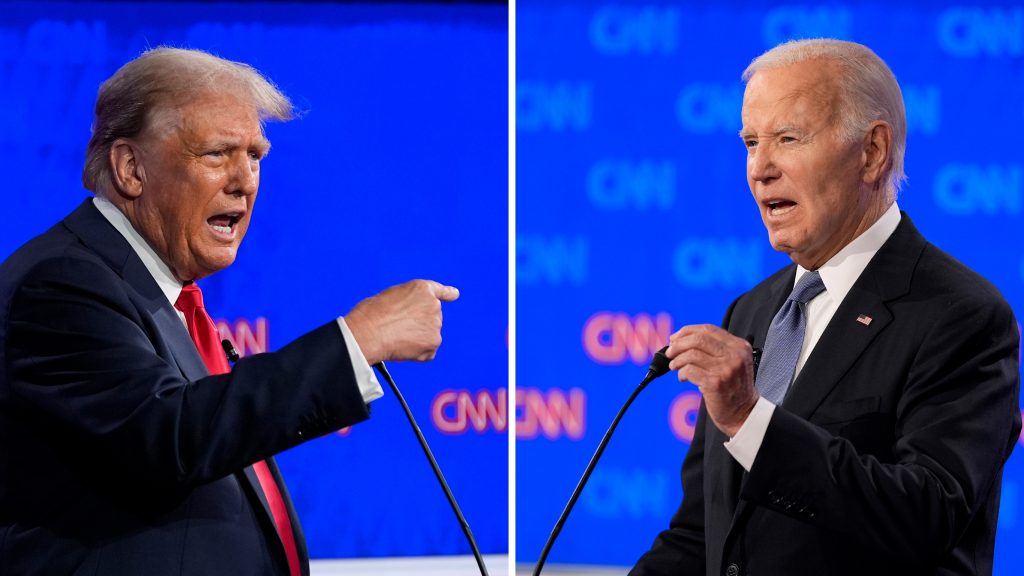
(230,143)
(743,133)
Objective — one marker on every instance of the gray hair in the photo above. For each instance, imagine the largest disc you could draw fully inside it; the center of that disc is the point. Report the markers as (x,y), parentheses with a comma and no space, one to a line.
(868,91)
(159,80)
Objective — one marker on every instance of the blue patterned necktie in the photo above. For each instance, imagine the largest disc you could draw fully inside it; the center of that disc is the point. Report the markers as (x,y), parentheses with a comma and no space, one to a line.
(785,338)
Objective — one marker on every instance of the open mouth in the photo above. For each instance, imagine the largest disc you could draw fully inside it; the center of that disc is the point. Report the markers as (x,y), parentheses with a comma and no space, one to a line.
(779,206)
(224,223)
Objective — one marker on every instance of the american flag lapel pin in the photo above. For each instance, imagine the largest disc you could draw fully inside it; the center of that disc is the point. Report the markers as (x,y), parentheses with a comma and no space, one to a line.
(864,319)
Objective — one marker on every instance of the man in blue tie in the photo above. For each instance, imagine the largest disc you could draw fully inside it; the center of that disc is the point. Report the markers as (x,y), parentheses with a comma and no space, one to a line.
(871,437)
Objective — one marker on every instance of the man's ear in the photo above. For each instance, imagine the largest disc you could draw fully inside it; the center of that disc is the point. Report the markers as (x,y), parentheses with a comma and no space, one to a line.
(877,149)
(127,172)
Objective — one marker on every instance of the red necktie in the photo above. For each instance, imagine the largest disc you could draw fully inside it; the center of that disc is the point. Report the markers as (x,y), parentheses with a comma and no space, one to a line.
(207,341)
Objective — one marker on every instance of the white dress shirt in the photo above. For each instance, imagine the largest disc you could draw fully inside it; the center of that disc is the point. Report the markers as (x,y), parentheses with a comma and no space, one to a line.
(369,387)
(839,275)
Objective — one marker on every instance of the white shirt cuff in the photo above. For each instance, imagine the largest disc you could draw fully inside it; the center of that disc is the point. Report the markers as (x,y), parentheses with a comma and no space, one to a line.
(366,379)
(746,443)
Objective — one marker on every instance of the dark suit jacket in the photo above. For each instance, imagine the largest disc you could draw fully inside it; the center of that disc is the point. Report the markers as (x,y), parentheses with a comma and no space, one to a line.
(118,453)
(886,455)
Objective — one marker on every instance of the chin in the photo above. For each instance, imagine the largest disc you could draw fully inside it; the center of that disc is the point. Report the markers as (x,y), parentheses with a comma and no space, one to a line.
(213,265)
(779,245)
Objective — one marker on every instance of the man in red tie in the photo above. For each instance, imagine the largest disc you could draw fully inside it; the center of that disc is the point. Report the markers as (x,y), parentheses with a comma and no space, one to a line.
(127,443)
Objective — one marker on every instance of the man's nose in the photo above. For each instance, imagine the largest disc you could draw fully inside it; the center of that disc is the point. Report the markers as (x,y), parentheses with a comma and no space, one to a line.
(246,177)
(761,165)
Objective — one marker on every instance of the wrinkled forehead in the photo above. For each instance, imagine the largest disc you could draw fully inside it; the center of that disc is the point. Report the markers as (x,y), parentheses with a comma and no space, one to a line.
(206,113)
(801,92)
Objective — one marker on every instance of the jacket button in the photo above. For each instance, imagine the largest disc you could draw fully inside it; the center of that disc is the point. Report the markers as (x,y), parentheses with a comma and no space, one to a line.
(732,570)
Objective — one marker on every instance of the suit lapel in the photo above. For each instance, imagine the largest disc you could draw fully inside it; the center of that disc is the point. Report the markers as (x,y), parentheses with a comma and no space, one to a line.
(248,475)
(100,236)
(885,278)
(778,293)
(300,538)
(843,341)
(178,340)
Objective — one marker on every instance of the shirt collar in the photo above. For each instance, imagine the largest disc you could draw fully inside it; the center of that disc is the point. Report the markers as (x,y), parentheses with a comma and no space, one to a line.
(161,272)
(842,270)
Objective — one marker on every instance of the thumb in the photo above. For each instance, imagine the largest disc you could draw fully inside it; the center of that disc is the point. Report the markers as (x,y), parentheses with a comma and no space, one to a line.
(446,293)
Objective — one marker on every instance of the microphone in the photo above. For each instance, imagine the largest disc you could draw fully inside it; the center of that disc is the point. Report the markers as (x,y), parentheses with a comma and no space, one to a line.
(229,349)
(437,469)
(659,366)
(756,353)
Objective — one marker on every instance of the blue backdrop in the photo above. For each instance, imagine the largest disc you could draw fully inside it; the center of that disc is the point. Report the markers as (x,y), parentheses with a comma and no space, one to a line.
(634,219)
(397,169)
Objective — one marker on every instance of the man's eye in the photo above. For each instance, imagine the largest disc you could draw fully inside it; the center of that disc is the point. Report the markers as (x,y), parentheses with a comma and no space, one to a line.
(255,156)
(750,143)
(214,153)
(785,139)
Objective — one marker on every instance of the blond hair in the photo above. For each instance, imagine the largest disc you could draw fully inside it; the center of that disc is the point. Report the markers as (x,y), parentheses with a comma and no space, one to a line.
(159,80)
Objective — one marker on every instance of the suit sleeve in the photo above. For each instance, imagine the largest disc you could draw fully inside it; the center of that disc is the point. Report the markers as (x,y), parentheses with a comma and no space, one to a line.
(956,422)
(88,370)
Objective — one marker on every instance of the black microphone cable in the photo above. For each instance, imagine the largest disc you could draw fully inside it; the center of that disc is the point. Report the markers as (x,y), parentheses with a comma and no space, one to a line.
(659,366)
(433,464)
(233,357)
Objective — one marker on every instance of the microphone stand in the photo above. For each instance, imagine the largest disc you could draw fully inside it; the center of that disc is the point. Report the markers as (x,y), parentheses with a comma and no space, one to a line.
(659,366)
(437,469)
(233,357)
